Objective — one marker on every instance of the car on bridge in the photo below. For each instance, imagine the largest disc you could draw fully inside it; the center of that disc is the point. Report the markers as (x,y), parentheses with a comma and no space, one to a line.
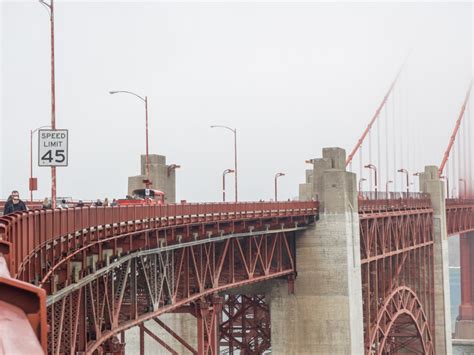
(148,197)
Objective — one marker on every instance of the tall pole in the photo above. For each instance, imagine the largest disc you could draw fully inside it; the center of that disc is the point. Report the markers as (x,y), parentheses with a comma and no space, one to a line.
(223,187)
(277,175)
(235,163)
(405,171)
(227,171)
(374,168)
(31,164)
(50,6)
(32,131)
(146,132)
(234,131)
(147,163)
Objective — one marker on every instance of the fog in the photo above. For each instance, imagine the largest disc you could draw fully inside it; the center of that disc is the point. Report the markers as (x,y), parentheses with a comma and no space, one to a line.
(291,77)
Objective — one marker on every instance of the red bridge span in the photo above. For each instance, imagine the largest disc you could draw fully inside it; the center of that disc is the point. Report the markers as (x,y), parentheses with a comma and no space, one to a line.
(99,271)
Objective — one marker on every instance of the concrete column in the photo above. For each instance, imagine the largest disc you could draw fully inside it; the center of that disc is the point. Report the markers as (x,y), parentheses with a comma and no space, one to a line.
(324,316)
(465,319)
(158,176)
(431,183)
(306,189)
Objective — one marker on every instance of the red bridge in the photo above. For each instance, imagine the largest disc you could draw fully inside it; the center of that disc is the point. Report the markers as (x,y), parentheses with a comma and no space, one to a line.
(340,271)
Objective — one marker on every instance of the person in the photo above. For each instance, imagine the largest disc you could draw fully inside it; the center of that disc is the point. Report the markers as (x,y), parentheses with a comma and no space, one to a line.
(63,204)
(114,203)
(46,203)
(14,204)
(80,203)
(98,203)
(106,202)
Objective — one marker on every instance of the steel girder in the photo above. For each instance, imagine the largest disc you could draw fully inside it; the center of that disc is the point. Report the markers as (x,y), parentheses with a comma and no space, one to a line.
(144,286)
(398,280)
(91,260)
(245,327)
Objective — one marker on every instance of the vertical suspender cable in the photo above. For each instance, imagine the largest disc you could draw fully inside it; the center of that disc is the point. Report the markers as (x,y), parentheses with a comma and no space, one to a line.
(378,150)
(386,146)
(469,151)
(370,158)
(394,141)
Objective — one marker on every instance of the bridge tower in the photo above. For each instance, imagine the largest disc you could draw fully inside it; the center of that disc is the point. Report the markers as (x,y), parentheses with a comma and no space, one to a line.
(324,315)
(432,184)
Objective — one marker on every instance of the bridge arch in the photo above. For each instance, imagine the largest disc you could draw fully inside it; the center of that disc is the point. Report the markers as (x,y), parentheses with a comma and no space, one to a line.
(401,324)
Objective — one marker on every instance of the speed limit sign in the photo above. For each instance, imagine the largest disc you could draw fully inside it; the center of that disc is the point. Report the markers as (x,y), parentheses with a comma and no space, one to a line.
(52,147)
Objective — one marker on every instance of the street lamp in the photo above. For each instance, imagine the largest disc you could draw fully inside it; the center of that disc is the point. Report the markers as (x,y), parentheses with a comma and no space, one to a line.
(361,180)
(372,167)
(405,171)
(227,171)
(233,130)
(445,177)
(172,167)
(277,175)
(386,186)
(50,8)
(145,100)
(33,183)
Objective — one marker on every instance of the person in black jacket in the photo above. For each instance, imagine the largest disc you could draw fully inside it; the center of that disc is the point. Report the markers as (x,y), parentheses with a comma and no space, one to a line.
(14,204)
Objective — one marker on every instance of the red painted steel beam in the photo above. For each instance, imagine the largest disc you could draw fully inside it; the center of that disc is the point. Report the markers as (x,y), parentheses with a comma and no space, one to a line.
(455,131)
(22,315)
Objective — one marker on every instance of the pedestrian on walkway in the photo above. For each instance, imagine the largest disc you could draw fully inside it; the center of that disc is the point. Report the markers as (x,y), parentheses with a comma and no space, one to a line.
(46,203)
(14,204)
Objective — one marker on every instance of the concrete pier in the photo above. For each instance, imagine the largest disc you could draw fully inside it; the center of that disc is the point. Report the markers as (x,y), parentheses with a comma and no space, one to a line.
(431,183)
(324,316)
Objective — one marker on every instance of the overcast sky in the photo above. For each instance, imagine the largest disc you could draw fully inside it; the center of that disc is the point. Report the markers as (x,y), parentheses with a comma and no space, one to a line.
(291,77)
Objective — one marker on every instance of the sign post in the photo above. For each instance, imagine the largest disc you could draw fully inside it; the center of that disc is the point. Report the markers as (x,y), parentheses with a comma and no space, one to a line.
(53,147)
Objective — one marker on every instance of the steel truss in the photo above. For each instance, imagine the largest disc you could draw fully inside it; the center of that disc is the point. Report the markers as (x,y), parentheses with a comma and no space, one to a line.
(398,281)
(245,327)
(144,285)
(459,216)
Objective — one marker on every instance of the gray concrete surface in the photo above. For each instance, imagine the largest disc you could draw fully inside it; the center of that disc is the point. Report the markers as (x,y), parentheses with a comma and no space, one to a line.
(430,183)
(158,176)
(324,316)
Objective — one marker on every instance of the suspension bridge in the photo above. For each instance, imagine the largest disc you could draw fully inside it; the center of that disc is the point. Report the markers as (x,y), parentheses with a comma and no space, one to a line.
(342,270)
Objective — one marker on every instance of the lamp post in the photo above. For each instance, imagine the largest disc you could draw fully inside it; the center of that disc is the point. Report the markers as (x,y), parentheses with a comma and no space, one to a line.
(445,177)
(33,183)
(372,167)
(405,171)
(171,168)
(234,131)
(227,171)
(386,186)
(361,180)
(277,175)
(50,7)
(145,101)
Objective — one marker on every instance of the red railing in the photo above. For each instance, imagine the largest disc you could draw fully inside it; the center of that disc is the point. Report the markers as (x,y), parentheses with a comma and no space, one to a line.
(22,233)
(23,327)
(392,201)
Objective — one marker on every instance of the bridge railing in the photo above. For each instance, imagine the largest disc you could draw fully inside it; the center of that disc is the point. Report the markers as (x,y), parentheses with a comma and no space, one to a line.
(459,201)
(371,201)
(23,327)
(23,232)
